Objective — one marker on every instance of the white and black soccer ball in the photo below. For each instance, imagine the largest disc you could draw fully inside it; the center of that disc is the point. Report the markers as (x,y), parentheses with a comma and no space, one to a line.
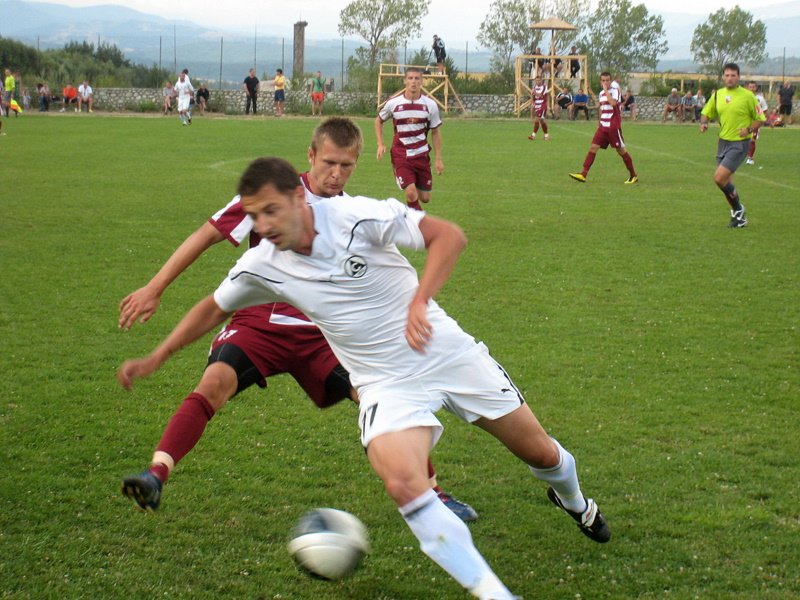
(328,543)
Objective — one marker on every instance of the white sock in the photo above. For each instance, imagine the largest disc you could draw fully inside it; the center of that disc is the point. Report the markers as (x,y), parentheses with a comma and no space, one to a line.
(447,541)
(564,480)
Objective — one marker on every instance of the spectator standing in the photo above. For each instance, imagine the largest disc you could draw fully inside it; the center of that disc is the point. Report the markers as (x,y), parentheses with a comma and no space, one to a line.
(202,97)
(673,105)
(687,106)
(699,103)
(317,89)
(26,99)
(44,96)
(250,87)
(280,92)
(785,99)
(85,96)
(440,53)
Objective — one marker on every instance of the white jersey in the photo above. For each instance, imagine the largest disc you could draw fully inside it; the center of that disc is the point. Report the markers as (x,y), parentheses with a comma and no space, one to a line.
(762,102)
(356,286)
(85,91)
(412,119)
(183,88)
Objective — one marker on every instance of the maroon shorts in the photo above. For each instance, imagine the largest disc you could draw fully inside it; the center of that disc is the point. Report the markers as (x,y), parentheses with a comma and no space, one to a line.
(605,137)
(416,170)
(540,110)
(301,351)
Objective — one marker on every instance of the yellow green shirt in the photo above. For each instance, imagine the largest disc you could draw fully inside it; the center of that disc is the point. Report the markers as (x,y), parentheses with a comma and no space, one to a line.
(10,83)
(736,109)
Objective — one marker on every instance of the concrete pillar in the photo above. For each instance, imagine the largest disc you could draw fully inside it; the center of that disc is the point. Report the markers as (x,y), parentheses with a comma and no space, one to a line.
(298,62)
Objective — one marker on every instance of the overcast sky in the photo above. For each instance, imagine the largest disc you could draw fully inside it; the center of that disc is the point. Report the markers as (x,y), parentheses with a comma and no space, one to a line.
(456,21)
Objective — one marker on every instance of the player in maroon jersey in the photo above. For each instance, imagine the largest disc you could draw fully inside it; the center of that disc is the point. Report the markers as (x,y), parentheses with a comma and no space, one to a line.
(539,93)
(609,131)
(413,115)
(260,341)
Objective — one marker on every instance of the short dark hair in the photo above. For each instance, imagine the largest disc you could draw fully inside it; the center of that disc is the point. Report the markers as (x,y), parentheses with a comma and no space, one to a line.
(731,66)
(279,71)
(265,171)
(413,69)
(605,74)
(343,132)
(185,71)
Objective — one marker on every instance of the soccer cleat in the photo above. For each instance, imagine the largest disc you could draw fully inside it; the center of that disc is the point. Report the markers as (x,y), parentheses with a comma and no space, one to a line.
(546,137)
(738,218)
(532,136)
(590,521)
(750,161)
(90,110)
(461,509)
(578,177)
(634,179)
(144,489)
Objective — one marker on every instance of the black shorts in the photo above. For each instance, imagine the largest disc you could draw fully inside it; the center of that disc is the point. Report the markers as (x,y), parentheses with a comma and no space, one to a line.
(785,109)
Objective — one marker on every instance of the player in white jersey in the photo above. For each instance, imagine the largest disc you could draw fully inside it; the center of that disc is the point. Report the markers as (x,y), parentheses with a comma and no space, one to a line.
(185,91)
(413,115)
(609,130)
(753,87)
(339,262)
(539,97)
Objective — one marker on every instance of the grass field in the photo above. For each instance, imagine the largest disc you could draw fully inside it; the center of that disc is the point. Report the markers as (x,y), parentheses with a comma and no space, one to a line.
(659,346)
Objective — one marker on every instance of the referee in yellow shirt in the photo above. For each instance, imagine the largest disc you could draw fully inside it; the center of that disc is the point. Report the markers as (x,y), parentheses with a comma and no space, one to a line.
(740,116)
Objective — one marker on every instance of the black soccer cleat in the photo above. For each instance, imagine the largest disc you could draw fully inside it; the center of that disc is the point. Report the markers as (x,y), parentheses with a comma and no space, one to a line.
(738,218)
(590,521)
(461,509)
(144,489)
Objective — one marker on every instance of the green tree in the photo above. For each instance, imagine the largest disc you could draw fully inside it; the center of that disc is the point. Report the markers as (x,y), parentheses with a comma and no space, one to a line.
(506,30)
(622,38)
(383,24)
(728,36)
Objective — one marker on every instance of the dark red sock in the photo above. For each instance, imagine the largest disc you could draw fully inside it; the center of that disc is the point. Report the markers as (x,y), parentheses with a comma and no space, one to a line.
(626,158)
(587,163)
(752,149)
(414,205)
(535,126)
(184,429)
(544,127)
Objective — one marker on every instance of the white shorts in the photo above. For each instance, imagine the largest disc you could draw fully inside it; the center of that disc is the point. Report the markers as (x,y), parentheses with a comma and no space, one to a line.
(472,386)
(183,103)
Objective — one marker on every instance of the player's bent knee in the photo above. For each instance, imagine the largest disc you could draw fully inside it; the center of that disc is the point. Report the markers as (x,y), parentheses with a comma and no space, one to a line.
(218,384)
(244,371)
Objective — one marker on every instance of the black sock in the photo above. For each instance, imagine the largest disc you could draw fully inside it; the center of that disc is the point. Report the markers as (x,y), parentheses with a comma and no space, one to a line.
(732,196)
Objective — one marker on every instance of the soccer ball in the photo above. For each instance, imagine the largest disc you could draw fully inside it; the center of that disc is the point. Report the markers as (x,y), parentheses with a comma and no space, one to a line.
(328,543)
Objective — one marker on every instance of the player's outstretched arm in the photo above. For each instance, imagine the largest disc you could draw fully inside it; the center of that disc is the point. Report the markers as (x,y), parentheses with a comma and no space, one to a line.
(205,316)
(143,303)
(444,242)
(379,137)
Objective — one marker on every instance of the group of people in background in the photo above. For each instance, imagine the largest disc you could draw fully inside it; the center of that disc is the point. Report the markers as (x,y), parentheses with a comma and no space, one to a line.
(252,87)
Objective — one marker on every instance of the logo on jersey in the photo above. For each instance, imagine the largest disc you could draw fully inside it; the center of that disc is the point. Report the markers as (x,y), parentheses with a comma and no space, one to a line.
(355,266)
(728,99)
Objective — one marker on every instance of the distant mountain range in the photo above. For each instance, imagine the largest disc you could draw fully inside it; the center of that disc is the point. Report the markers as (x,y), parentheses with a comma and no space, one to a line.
(149,39)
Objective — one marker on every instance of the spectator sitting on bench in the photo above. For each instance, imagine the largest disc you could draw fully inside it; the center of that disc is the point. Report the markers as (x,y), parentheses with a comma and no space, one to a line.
(673,105)
(70,94)
(579,102)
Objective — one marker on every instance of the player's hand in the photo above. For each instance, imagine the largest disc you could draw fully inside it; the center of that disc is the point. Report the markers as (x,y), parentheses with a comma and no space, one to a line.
(418,328)
(137,368)
(381,151)
(439,166)
(744,132)
(703,127)
(141,304)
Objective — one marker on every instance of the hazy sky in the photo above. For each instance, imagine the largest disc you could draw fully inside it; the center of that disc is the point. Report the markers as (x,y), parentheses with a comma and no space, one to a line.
(456,21)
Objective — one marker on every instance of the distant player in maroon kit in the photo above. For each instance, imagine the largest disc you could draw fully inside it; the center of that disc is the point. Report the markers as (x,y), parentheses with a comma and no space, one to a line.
(413,115)
(609,131)
(258,342)
(539,93)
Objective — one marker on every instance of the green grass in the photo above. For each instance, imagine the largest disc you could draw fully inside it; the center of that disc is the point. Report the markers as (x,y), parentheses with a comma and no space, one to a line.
(660,347)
